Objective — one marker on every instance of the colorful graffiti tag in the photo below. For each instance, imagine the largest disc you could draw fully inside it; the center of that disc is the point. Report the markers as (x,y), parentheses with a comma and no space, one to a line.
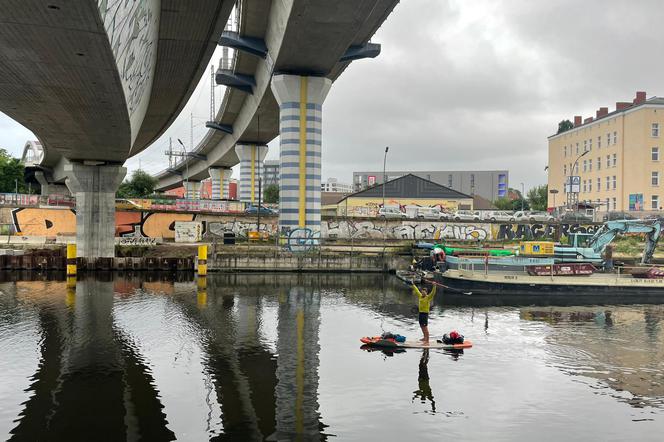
(62,222)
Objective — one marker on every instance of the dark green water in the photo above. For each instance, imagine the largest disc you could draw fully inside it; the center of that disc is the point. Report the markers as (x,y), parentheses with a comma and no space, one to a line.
(278,357)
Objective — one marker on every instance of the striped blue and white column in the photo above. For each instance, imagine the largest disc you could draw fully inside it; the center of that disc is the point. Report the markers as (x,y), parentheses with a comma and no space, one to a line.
(192,190)
(300,101)
(220,178)
(251,168)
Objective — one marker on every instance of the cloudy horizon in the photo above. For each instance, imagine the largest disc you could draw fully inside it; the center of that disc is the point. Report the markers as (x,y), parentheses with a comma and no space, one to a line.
(464,85)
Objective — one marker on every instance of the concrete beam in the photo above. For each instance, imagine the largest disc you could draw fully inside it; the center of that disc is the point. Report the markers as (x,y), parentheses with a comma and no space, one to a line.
(369,50)
(251,45)
(220,127)
(245,83)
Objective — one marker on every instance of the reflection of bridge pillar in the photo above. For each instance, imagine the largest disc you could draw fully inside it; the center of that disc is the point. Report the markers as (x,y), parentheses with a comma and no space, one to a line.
(251,168)
(300,101)
(94,188)
(220,178)
(297,366)
(192,190)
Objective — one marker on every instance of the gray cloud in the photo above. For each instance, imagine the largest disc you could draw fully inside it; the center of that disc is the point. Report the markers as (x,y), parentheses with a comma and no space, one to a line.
(471,84)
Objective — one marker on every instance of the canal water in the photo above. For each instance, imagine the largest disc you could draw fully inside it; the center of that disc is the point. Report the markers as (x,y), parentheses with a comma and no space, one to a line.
(277,357)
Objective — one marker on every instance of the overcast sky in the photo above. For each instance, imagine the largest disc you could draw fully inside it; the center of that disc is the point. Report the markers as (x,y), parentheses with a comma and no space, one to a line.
(467,85)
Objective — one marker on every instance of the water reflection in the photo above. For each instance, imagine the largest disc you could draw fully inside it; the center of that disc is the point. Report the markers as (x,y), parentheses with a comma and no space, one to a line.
(275,357)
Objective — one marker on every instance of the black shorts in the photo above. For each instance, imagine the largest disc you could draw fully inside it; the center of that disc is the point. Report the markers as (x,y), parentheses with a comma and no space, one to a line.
(424,319)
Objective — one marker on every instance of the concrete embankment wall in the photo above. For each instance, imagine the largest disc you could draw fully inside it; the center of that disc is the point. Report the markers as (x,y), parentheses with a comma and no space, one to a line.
(54,223)
(281,261)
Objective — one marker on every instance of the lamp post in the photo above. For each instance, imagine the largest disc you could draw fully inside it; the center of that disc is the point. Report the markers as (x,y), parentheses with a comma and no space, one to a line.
(523,195)
(384,175)
(570,193)
(258,221)
(186,164)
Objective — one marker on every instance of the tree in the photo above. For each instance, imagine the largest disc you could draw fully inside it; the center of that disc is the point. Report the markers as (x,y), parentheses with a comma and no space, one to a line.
(271,194)
(538,197)
(141,185)
(564,126)
(11,174)
(511,204)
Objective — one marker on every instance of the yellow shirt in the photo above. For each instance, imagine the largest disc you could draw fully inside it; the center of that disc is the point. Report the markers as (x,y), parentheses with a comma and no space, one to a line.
(425,301)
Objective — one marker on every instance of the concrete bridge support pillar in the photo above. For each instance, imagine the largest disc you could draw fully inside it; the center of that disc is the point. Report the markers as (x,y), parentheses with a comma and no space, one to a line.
(192,190)
(300,101)
(251,168)
(220,179)
(50,188)
(94,187)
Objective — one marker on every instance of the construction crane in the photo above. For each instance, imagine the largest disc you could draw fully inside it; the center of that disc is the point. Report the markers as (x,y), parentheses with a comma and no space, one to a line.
(590,248)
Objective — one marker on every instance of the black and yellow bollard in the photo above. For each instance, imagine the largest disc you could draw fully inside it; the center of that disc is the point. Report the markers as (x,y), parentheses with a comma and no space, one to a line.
(202,260)
(71,261)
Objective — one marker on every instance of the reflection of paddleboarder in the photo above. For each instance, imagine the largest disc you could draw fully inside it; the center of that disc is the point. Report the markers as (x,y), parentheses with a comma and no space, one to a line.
(424,391)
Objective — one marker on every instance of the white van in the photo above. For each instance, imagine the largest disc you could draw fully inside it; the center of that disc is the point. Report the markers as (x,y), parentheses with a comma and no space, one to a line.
(391,212)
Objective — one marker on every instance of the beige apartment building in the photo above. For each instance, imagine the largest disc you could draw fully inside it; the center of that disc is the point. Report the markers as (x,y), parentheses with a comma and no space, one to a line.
(617,157)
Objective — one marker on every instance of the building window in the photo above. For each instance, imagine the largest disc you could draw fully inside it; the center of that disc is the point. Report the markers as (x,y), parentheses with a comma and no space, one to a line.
(608,207)
(590,144)
(654,154)
(590,165)
(615,137)
(576,168)
(590,185)
(608,140)
(614,182)
(655,129)
(608,161)
(599,184)
(599,142)
(599,163)
(565,169)
(584,186)
(654,202)
(608,182)
(615,203)
(615,160)
(654,179)
(565,151)
(585,165)
(577,148)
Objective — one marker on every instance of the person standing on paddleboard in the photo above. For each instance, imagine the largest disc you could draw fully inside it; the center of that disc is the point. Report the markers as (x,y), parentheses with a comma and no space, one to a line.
(424,298)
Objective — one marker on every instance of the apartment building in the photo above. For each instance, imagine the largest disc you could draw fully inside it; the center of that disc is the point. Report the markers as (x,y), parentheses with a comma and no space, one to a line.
(614,159)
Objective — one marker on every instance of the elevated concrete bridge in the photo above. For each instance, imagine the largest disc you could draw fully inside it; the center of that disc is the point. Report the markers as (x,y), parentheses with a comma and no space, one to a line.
(99,81)
(287,54)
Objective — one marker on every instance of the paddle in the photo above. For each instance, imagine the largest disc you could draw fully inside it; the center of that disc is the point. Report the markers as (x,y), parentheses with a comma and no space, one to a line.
(452,289)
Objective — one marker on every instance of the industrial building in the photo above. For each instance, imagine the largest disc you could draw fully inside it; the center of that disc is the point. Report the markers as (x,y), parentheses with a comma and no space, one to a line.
(271,172)
(407,190)
(489,184)
(613,160)
(333,185)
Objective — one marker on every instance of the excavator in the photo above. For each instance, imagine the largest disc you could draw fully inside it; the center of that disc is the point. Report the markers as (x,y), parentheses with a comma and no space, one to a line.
(586,247)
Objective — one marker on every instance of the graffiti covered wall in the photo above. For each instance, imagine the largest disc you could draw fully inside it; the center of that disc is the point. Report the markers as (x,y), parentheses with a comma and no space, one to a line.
(62,222)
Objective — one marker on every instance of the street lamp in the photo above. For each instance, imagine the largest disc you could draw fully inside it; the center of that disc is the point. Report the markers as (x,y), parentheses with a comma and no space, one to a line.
(523,193)
(186,164)
(384,175)
(569,193)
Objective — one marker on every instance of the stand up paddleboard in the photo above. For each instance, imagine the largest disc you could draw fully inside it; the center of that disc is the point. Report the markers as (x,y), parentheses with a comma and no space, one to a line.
(377,341)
